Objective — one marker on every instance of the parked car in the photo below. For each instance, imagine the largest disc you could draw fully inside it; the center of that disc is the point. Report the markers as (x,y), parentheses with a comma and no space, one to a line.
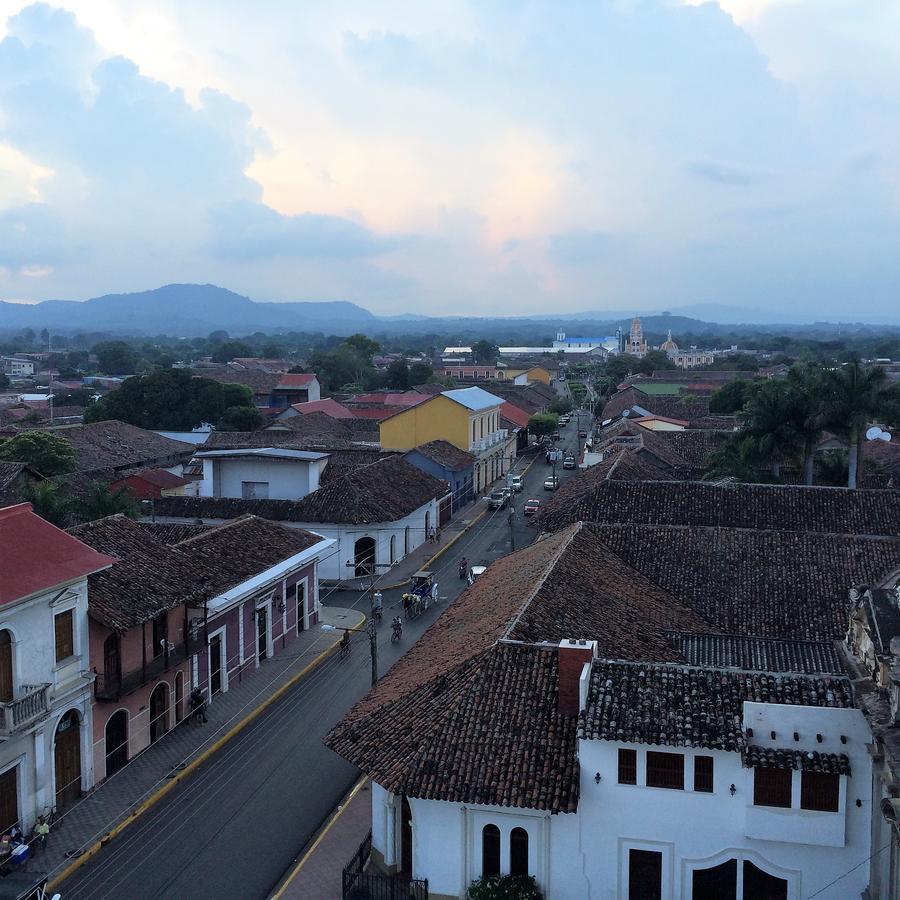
(498,498)
(516,483)
(531,507)
(582,434)
(551,482)
(569,462)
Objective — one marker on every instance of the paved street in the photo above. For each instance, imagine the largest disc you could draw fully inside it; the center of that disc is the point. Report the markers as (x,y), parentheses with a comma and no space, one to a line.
(237,825)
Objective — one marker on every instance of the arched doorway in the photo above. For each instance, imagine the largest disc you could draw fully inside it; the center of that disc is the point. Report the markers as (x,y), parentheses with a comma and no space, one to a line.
(116,734)
(364,556)
(159,709)
(393,548)
(406,860)
(67,760)
(427,525)
(179,696)
(406,540)
(7,687)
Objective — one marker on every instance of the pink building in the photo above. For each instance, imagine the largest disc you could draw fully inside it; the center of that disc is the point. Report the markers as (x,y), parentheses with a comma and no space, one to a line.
(187,606)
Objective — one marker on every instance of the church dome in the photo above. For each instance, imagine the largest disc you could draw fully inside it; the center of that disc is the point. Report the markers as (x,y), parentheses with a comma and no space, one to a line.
(668,344)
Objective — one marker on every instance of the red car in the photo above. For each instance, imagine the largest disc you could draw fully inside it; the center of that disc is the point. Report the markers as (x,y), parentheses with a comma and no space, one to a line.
(531,507)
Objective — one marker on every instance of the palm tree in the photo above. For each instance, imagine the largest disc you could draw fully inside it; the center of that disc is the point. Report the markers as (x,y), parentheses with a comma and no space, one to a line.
(768,421)
(49,502)
(806,390)
(99,501)
(856,396)
(737,459)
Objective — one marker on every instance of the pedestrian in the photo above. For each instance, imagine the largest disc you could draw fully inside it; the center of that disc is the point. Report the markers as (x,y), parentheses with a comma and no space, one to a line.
(198,706)
(41,830)
(431,534)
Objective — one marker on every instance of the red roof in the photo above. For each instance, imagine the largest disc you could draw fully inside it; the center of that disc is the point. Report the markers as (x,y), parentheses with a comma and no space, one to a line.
(158,477)
(515,415)
(36,556)
(328,406)
(654,418)
(391,398)
(380,412)
(294,379)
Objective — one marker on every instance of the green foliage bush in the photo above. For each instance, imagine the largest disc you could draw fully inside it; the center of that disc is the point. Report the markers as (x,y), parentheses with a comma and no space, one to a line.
(505,887)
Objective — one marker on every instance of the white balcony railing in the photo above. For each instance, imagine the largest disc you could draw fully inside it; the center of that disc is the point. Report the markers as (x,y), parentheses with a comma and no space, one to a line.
(16,715)
(488,441)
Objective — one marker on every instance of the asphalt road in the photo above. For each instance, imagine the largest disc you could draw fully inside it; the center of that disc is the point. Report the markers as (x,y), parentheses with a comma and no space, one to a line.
(236,826)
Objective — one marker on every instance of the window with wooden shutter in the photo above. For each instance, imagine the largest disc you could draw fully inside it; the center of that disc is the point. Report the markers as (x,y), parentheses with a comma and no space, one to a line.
(627,766)
(7,687)
(64,625)
(703,774)
(665,770)
(772,787)
(9,799)
(820,791)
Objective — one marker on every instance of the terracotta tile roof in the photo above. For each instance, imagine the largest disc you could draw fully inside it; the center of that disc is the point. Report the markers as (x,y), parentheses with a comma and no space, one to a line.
(295,379)
(446,454)
(328,406)
(118,445)
(36,556)
(341,462)
(258,380)
(148,578)
(172,532)
(158,477)
(738,651)
(14,477)
(758,506)
(236,551)
(680,706)
(780,584)
(519,417)
(682,406)
(755,756)
(383,491)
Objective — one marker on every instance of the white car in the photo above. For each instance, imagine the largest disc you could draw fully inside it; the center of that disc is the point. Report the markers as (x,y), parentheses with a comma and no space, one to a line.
(516,483)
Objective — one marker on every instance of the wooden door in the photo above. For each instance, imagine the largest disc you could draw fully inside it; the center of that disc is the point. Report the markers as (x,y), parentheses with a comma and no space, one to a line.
(215,665)
(406,860)
(67,760)
(300,588)
(262,634)
(116,734)
(112,663)
(179,696)
(159,707)
(6,667)
(9,799)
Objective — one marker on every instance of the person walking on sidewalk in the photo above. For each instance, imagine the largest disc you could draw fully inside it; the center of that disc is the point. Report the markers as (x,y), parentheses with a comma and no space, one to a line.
(198,706)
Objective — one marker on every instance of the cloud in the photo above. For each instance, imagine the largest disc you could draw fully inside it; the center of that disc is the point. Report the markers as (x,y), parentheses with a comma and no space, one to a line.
(32,235)
(725,173)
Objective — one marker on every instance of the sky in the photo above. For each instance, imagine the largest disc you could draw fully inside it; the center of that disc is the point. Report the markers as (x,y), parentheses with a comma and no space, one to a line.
(488,157)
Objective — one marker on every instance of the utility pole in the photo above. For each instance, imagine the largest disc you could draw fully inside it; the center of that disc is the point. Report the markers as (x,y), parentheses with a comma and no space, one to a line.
(511,520)
(373,649)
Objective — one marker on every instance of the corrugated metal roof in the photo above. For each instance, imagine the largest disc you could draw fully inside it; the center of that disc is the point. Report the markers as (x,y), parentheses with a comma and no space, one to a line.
(473,398)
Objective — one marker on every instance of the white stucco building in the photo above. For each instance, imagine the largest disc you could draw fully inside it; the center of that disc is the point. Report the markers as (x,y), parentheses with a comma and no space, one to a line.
(742,771)
(45,676)
(260,473)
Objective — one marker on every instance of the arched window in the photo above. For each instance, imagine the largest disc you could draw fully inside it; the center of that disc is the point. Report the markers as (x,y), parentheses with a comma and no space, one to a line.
(490,851)
(518,852)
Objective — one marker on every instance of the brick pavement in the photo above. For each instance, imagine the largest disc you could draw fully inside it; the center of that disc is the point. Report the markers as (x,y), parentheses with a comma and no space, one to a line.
(117,797)
(320,874)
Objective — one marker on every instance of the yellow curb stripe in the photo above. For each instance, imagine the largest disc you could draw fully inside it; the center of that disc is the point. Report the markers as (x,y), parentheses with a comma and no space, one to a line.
(191,767)
(334,817)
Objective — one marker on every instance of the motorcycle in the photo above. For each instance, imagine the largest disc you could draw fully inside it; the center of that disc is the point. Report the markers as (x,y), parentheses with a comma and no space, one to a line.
(396,632)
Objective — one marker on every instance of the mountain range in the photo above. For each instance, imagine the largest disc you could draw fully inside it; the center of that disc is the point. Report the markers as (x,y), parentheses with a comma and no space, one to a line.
(198,309)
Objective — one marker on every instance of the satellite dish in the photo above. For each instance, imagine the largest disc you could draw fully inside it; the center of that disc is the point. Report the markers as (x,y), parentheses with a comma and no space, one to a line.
(873,433)
(884,436)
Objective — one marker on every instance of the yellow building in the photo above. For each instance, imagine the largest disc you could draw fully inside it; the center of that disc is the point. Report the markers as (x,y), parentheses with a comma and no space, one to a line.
(527,376)
(469,418)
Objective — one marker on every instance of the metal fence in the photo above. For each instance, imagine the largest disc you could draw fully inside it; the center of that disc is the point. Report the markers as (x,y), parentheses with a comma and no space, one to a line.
(357,884)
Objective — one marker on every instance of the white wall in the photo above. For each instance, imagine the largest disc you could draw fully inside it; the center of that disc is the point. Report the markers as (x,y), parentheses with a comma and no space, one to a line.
(335,567)
(287,479)
(34,663)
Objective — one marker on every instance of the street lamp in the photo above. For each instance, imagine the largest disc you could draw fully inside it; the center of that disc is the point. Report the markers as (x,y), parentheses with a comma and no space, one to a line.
(373,644)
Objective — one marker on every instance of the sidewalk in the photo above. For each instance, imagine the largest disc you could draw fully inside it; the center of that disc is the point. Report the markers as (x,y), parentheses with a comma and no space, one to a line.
(135,787)
(318,873)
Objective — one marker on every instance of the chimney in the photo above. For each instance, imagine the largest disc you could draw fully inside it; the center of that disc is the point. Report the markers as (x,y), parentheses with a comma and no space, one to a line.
(573,655)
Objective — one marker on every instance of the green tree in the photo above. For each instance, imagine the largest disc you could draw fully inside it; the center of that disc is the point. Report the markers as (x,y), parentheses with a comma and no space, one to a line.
(240,418)
(653,361)
(730,397)
(542,423)
(228,350)
(272,350)
(169,399)
(115,358)
(364,347)
(856,396)
(767,420)
(46,452)
(397,375)
(806,390)
(50,502)
(420,373)
(100,501)
(485,352)
(560,407)
(737,459)
(4,381)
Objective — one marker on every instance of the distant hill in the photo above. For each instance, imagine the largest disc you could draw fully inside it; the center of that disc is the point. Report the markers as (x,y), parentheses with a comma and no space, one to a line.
(184,309)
